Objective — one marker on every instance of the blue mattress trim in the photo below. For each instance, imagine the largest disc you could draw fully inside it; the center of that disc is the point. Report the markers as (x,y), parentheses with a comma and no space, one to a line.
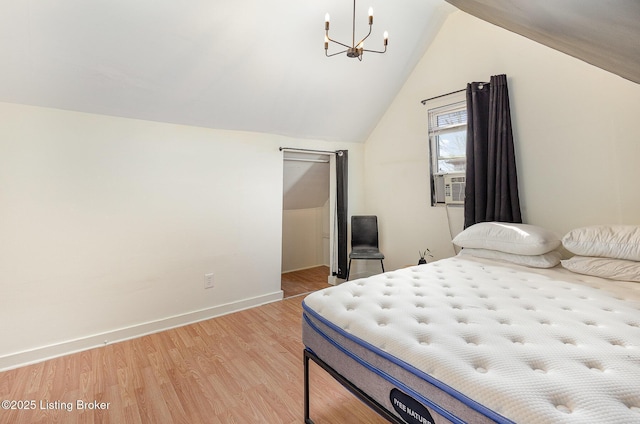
(437,383)
(387,377)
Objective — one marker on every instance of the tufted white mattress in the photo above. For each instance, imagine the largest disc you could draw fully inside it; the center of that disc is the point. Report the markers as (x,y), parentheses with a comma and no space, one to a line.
(481,341)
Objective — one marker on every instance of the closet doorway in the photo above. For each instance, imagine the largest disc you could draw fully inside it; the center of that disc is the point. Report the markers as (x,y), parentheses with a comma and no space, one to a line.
(307,219)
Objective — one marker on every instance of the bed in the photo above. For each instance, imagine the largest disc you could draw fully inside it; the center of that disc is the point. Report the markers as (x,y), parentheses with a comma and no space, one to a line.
(475,340)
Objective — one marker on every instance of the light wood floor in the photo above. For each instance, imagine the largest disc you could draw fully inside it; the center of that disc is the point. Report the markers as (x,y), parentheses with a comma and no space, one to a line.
(304,281)
(241,368)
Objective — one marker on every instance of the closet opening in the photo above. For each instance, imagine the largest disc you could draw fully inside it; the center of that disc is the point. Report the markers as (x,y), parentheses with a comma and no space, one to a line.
(308,200)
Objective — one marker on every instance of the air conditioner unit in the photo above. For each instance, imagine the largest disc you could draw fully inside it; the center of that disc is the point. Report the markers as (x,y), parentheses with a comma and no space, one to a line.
(454,186)
(438,186)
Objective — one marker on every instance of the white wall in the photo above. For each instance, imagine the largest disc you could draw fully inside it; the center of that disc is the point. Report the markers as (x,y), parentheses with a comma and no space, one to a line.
(305,235)
(575,129)
(108,225)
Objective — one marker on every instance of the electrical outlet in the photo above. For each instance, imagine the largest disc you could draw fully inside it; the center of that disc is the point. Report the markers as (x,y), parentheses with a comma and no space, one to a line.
(208,281)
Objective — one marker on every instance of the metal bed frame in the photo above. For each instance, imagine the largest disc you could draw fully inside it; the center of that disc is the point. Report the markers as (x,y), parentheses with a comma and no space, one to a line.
(355,390)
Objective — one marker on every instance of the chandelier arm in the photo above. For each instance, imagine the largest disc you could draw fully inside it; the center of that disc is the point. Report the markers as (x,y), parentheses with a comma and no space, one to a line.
(337,42)
(376,51)
(365,37)
(333,54)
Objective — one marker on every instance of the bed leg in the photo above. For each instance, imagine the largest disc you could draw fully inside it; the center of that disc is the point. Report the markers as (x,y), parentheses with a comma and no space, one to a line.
(368,400)
(307,420)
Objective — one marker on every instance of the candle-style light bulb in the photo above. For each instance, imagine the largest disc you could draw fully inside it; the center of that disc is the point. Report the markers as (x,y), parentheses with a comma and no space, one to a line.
(386,38)
(326,22)
(371,16)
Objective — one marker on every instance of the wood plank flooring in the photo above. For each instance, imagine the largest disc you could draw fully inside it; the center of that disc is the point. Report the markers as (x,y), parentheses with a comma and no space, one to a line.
(304,281)
(240,368)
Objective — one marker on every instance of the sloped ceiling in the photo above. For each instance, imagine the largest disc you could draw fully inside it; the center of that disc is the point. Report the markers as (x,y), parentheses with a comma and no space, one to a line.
(249,65)
(306,183)
(259,66)
(604,33)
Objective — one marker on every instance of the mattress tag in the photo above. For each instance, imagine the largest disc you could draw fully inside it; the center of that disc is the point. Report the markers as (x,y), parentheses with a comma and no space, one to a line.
(412,411)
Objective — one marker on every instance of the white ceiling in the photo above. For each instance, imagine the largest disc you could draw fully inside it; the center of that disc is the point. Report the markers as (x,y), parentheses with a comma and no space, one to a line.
(250,65)
(256,65)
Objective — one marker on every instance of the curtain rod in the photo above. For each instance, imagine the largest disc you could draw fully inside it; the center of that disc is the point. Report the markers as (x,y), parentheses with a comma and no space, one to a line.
(442,95)
(448,94)
(307,160)
(292,149)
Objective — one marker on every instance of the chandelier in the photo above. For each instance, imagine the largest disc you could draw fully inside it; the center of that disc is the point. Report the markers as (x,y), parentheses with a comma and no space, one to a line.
(355,49)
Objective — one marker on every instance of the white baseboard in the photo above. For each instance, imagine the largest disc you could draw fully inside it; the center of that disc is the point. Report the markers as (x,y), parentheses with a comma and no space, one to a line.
(39,354)
(304,268)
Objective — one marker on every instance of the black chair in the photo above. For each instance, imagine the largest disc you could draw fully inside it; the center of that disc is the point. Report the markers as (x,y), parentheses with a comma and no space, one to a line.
(364,240)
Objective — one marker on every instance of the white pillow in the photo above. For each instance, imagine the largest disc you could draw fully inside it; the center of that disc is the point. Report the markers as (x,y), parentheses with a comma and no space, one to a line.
(614,269)
(607,241)
(547,260)
(519,239)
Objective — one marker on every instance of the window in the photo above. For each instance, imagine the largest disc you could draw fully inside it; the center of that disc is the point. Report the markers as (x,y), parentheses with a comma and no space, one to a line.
(447,145)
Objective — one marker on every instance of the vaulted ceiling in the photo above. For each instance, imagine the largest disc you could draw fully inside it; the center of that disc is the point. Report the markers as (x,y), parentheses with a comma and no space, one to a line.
(254,65)
(250,65)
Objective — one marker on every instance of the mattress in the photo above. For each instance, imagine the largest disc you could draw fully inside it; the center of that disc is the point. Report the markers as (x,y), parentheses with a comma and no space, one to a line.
(466,340)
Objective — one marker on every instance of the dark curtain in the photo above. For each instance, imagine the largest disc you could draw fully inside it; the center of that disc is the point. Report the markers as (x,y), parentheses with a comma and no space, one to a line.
(491,192)
(342,172)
